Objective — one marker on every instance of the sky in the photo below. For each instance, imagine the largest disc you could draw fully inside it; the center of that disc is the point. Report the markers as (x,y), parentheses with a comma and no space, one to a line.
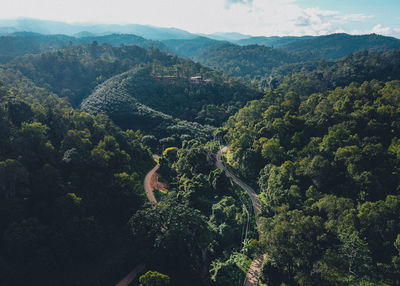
(252,17)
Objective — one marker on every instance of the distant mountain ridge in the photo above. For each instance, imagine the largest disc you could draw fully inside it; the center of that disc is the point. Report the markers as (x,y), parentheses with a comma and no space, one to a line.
(54,27)
(339,45)
(274,41)
(22,43)
(234,53)
(258,60)
(190,48)
(231,37)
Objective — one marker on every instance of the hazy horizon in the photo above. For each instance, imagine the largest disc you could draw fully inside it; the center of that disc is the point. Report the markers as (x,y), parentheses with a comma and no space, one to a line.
(239,35)
(250,17)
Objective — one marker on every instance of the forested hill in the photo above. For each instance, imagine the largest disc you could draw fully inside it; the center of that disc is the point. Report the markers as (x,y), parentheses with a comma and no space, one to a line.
(273,41)
(19,44)
(321,146)
(148,98)
(326,163)
(69,182)
(23,43)
(339,45)
(319,76)
(251,61)
(245,61)
(72,204)
(190,48)
(299,87)
(119,98)
(257,61)
(74,72)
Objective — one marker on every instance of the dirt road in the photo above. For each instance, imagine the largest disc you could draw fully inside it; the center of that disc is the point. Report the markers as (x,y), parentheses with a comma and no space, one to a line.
(150,195)
(255,268)
(147,182)
(128,279)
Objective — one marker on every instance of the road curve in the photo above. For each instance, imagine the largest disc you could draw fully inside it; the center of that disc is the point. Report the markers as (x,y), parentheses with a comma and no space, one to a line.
(147,181)
(252,194)
(255,268)
(128,279)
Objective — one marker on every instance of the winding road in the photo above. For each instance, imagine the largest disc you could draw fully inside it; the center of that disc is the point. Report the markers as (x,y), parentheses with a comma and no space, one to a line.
(255,268)
(128,279)
(147,181)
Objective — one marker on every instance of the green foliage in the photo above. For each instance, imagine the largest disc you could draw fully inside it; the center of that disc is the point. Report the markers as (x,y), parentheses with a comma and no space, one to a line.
(74,71)
(23,43)
(324,152)
(174,232)
(339,45)
(356,254)
(327,168)
(229,272)
(256,59)
(194,181)
(272,275)
(153,278)
(160,99)
(69,182)
(245,61)
(306,79)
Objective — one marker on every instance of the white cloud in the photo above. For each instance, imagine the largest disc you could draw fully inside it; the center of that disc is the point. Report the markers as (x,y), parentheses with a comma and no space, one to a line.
(386,31)
(355,17)
(228,3)
(256,17)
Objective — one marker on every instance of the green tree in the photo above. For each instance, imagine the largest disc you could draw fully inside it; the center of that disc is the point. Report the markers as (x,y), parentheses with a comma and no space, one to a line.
(174,233)
(356,253)
(153,278)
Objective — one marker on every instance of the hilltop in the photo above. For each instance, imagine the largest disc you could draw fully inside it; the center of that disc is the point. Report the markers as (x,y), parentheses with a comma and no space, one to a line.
(153,98)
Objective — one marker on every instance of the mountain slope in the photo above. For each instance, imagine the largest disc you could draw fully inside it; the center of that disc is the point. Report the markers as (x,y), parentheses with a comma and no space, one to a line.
(74,72)
(69,182)
(190,48)
(23,43)
(274,41)
(339,45)
(358,67)
(116,100)
(246,61)
(323,149)
(151,99)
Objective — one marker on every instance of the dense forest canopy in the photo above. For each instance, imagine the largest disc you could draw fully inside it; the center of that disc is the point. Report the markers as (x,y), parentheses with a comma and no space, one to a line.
(326,165)
(72,183)
(74,72)
(250,58)
(150,97)
(138,88)
(336,46)
(69,183)
(255,58)
(23,43)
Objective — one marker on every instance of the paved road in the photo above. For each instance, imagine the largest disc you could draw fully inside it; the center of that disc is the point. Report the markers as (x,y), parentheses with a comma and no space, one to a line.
(255,268)
(147,182)
(252,194)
